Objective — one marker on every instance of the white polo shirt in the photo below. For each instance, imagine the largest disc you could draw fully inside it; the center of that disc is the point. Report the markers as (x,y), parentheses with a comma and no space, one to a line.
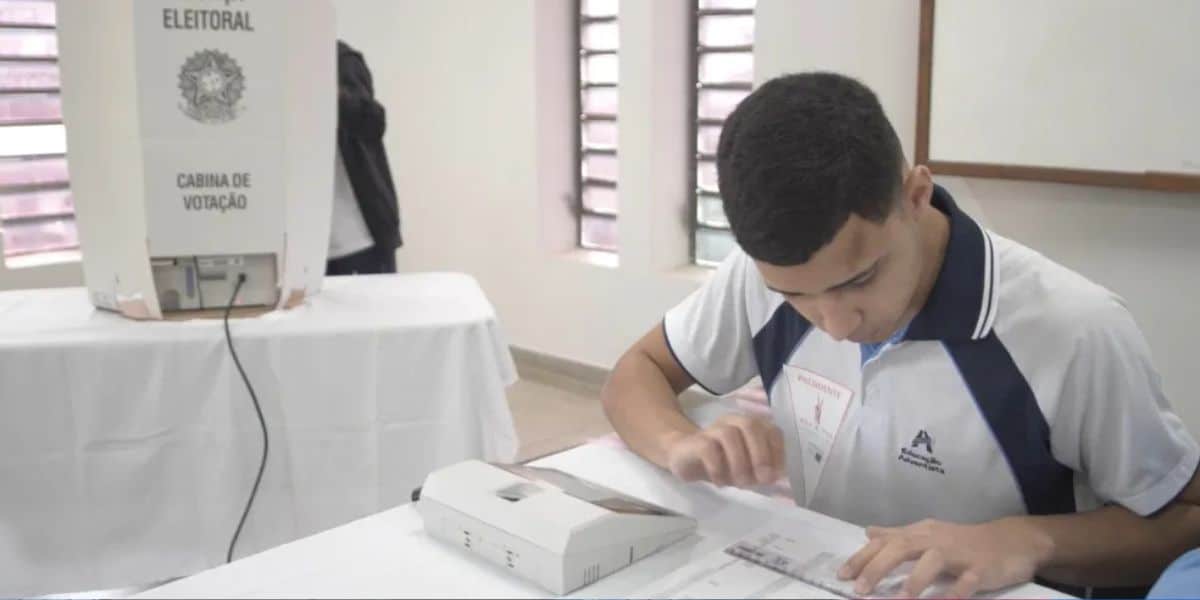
(1019,388)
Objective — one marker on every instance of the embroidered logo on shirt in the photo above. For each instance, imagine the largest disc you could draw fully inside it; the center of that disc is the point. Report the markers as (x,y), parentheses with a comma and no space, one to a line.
(923,439)
(926,460)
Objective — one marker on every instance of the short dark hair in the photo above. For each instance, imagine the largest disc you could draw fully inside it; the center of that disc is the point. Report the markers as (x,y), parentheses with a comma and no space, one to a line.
(798,156)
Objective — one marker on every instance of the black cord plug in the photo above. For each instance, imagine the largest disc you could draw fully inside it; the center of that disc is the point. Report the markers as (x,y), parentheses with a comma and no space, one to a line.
(257,408)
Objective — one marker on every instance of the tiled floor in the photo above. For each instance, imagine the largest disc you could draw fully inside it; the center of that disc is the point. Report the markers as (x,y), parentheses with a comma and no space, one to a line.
(555,407)
(550,418)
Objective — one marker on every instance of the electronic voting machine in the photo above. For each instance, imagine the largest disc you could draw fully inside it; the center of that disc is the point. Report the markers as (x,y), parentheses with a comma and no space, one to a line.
(544,525)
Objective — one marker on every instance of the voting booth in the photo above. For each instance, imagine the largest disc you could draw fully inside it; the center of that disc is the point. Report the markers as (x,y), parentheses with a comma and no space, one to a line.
(201,141)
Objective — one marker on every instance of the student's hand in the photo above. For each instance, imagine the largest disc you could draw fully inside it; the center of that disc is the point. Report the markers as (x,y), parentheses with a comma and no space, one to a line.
(736,450)
(982,557)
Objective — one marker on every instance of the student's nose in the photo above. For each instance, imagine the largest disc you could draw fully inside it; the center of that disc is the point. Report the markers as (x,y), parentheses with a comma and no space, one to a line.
(837,318)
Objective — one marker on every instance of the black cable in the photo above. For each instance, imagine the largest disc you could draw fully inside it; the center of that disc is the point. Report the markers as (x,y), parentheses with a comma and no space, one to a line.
(258,409)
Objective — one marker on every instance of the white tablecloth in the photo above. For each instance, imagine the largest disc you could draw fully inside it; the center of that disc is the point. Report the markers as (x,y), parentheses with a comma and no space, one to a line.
(388,555)
(128,449)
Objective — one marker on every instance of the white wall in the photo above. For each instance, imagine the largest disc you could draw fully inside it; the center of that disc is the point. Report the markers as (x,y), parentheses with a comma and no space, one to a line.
(48,276)
(465,115)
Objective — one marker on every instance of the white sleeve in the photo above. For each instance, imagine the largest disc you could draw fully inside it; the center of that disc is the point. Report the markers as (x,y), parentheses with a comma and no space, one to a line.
(1113,422)
(710,333)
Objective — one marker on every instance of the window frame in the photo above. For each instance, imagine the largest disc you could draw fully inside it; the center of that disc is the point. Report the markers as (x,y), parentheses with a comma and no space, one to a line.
(35,186)
(583,182)
(695,156)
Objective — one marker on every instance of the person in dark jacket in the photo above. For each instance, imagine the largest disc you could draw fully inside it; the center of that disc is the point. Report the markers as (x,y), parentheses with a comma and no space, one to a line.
(365,228)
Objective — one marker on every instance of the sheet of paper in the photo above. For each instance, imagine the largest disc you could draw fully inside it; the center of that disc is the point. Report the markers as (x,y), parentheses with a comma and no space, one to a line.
(790,557)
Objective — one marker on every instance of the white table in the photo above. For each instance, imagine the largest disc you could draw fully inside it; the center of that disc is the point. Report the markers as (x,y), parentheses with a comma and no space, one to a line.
(127,449)
(388,555)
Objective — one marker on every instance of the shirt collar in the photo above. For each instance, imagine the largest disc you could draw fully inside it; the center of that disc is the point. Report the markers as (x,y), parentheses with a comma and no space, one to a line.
(962,303)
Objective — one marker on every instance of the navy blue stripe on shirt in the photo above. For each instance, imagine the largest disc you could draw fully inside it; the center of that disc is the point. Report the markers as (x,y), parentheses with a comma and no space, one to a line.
(680,362)
(991,287)
(775,342)
(952,309)
(1011,410)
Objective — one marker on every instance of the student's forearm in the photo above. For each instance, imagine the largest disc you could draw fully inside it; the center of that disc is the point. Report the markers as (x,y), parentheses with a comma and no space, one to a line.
(1112,546)
(643,407)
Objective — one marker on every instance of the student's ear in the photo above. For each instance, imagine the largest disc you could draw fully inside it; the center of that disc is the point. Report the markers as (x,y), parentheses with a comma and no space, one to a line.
(917,189)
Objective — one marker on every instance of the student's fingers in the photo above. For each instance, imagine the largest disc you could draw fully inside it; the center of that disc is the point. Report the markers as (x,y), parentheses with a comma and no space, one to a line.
(778,460)
(966,586)
(874,531)
(737,456)
(712,455)
(854,565)
(691,459)
(757,435)
(896,551)
(764,443)
(761,458)
(688,467)
(928,567)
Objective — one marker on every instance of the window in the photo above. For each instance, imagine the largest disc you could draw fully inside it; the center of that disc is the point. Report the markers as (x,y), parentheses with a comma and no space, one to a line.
(724,74)
(596,190)
(37,214)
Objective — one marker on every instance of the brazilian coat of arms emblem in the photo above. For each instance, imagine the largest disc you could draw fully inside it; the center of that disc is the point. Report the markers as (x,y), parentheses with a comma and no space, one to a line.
(212,84)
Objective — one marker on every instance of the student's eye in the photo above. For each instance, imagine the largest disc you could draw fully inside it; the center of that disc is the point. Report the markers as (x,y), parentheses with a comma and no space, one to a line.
(865,281)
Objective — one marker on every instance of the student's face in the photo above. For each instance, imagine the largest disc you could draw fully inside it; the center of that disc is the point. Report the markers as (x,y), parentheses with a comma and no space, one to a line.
(861,286)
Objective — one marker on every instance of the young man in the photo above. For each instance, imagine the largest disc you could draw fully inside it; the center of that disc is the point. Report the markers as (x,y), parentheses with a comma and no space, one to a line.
(984,411)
